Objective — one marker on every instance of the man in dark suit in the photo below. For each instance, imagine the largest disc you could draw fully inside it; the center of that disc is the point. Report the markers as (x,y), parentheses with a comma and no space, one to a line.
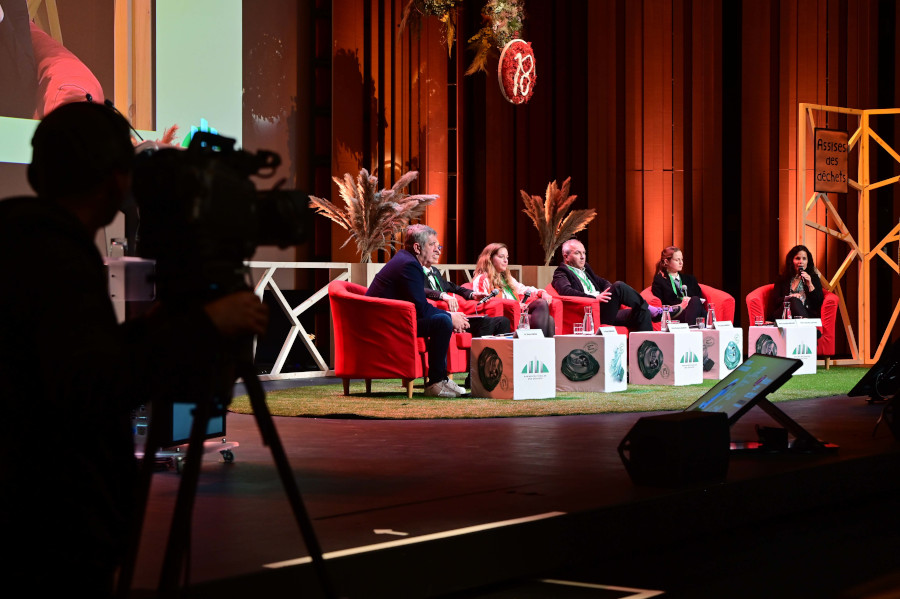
(575,277)
(403,278)
(439,289)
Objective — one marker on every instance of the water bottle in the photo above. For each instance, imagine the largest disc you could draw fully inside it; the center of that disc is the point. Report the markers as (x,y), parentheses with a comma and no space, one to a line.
(523,320)
(664,320)
(710,316)
(588,321)
(786,313)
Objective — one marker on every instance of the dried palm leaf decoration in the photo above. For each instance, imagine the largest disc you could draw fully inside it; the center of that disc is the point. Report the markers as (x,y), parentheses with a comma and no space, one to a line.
(550,218)
(373,218)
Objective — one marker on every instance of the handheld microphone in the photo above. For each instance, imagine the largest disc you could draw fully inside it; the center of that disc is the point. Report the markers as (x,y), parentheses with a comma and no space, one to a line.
(526,296)
(488,296)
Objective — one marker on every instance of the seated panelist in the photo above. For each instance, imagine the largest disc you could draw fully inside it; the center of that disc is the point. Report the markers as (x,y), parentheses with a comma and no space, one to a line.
(403,278)
(678,290)
(492,272)
(799,285)
(575,277)
(439,289)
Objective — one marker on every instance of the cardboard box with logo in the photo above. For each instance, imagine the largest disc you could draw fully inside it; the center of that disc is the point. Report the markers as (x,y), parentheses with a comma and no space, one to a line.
(791,340)
(722,350)
(592,362)
(670,358)
(507,368)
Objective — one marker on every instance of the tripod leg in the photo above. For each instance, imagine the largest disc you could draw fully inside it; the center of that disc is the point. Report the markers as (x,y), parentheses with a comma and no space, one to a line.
(270,437)
(180,530)
(142,494)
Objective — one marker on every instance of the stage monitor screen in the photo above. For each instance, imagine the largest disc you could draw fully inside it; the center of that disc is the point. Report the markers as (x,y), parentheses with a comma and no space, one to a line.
(755,378)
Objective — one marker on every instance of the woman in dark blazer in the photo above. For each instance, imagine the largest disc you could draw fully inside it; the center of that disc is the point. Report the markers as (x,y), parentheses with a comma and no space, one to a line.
(677,289)
(798,284)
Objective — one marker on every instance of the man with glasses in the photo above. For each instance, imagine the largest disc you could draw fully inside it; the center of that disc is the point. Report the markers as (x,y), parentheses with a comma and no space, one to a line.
(403,278)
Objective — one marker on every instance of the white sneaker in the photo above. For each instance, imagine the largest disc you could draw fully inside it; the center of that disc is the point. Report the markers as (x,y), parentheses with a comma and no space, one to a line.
(441,389)
(456,386)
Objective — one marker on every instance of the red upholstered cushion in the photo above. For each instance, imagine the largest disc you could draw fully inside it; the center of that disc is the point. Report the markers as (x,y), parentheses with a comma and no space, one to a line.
(374,337)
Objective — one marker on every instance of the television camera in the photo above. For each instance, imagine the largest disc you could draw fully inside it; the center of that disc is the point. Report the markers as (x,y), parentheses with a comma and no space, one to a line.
(201,217)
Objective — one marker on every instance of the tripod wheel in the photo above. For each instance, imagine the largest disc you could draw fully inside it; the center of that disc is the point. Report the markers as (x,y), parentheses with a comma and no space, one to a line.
(227,455)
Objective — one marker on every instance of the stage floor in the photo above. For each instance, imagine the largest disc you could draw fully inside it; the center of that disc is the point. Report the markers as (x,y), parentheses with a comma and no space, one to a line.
(489,508)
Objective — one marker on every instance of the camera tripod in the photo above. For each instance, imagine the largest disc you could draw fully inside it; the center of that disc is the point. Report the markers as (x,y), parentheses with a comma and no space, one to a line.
(176,555)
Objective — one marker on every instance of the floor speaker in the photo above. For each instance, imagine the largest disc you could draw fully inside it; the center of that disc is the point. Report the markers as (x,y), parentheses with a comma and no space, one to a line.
(677,449)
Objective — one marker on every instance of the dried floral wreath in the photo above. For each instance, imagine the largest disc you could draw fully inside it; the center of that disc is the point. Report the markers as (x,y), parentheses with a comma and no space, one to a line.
(504,20)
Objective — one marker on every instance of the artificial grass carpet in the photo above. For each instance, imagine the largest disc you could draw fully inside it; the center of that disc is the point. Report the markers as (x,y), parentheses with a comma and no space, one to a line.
(388,399)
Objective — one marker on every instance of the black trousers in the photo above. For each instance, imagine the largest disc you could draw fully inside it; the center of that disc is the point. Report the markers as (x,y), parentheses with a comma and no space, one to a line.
(694,310)
(636,314)
(489,325)
(798,308)
(539,317)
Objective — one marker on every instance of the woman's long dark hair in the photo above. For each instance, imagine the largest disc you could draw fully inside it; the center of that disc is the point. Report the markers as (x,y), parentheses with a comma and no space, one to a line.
(787,273)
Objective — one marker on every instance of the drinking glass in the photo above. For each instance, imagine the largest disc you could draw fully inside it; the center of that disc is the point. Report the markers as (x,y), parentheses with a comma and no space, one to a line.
(701,322)
(588,321)
(786,312)
(578,329)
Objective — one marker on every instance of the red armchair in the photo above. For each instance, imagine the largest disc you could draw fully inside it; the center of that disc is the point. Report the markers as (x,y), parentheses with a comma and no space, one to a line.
(375,338)
(723,302)
(571,311)
(758,299)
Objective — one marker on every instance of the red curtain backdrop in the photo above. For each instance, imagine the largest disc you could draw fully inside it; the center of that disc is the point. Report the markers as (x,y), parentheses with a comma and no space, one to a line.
(676,119)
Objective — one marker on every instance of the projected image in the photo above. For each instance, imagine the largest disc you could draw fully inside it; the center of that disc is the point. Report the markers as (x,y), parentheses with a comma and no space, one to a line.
(45,53)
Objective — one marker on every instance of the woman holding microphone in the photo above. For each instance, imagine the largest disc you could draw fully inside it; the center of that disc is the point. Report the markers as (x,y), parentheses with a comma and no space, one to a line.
(676,289)
(797,284)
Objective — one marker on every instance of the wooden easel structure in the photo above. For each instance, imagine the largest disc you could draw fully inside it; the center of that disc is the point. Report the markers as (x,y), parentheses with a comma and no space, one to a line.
(48,19)
(133,93)
(864,347)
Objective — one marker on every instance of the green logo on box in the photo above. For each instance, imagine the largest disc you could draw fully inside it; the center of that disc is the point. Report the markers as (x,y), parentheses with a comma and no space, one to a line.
(802,350)
(689,358)
(534,366)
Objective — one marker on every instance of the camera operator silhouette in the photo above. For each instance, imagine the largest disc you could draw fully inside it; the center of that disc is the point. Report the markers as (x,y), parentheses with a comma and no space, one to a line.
(70,374)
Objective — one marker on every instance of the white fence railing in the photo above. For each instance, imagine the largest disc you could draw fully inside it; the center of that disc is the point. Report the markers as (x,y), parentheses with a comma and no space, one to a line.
(340,272)
(267,281)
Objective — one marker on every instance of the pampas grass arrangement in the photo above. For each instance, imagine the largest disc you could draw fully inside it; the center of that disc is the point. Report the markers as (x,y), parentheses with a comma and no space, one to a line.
(373,218)
(550,216)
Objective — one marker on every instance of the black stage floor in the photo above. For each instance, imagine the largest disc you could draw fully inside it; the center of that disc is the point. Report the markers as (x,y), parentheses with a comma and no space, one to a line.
(501,508)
